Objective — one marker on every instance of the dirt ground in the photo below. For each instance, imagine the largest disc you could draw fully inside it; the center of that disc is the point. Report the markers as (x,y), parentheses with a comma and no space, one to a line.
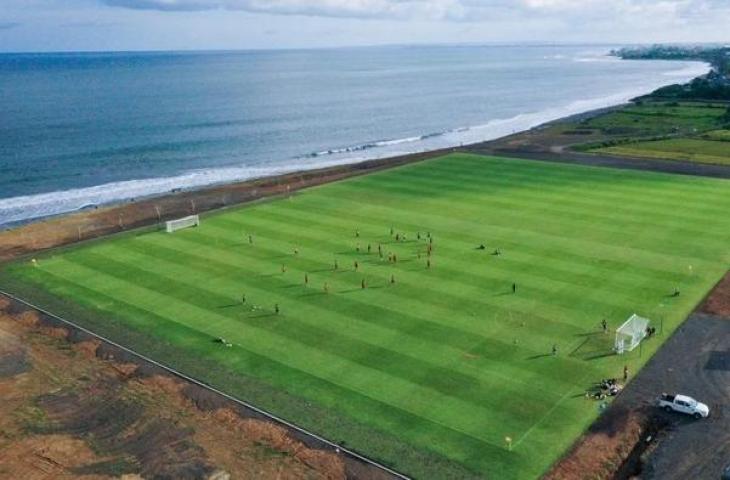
(634,439)
(718,302)
(64,413)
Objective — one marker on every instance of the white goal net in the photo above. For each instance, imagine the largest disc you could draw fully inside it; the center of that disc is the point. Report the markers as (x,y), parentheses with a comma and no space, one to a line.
(179,223)
(631,333)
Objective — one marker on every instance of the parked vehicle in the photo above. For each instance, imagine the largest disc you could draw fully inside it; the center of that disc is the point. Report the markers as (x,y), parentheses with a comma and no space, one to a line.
(683,404)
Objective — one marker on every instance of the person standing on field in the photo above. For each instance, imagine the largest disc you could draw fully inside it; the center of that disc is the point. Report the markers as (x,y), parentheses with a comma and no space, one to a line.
(276,308)
(626,373)
(604,325)
(555,350)
(514,288)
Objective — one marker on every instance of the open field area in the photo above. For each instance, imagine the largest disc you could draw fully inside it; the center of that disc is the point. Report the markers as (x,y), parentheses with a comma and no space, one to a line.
(692,149)
(651,118)
(435,361)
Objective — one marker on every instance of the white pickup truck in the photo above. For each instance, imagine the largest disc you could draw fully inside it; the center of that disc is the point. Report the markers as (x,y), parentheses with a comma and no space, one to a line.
(683,404)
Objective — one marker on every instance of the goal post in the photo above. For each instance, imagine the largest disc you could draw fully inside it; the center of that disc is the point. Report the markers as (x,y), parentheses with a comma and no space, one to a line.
(630,333)
(180,223)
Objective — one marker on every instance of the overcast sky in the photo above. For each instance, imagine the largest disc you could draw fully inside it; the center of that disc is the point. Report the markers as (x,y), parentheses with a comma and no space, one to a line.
(43,25)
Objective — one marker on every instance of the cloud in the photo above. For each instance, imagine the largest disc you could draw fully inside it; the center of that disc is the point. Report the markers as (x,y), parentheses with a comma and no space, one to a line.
(325,8)
(460,10)
(8,25)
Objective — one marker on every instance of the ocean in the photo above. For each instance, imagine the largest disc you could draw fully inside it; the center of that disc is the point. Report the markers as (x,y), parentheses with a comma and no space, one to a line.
(84,129)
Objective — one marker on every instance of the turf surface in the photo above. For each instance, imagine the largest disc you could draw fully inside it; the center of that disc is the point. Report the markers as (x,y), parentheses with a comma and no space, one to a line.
(446,359)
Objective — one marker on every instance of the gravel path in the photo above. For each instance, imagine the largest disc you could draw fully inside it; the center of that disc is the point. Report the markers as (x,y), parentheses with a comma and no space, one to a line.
(695,361)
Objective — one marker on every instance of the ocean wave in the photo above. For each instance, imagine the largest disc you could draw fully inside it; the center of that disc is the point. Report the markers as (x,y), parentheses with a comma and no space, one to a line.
(367,146)
(24,208)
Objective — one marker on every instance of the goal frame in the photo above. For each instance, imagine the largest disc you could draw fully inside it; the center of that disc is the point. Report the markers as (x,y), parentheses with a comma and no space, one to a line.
(630,334)
(180,223)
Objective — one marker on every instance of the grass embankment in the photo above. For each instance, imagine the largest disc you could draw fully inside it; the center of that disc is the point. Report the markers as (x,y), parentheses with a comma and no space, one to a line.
(430,373)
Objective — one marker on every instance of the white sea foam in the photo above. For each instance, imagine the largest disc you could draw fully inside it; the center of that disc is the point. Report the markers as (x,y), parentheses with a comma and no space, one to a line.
(24,208)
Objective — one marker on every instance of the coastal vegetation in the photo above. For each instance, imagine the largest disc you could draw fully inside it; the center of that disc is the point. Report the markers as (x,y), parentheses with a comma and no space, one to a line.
(713,86)
(694,131)
(443,317)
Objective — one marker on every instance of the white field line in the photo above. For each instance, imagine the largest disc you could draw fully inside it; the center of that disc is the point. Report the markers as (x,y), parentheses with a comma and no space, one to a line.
(337,448)
(547,414)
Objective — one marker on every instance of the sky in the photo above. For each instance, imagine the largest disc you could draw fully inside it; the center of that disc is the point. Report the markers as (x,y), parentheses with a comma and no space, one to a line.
(80,25)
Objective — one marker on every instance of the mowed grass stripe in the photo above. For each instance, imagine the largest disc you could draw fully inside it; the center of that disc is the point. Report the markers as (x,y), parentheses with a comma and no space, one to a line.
(447,359)
(563,264)
(568,206)
(608,185)
(406,324)
(461,294)
(484,286)
(568,242)
(336,355)
(274,226)
(419,429)
(535,221)
(656,201)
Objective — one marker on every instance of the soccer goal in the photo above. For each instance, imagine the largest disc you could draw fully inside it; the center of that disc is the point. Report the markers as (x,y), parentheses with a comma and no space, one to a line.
(630,333)
(180,223)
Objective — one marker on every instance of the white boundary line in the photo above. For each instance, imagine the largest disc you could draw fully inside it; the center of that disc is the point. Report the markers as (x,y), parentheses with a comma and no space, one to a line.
(271,416)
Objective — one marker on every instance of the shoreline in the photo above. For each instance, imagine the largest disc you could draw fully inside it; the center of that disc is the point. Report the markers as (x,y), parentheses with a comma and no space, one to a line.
(22,210)
(23,237)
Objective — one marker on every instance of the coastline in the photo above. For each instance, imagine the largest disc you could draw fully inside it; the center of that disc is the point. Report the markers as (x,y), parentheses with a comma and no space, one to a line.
(27,208)
(38,233)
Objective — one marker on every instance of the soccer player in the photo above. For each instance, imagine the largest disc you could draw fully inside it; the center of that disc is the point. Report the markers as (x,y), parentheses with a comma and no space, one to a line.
(243,299)
(604,325)
(276,308)
(362,284)
(369,248)
(428,263)
(250,239)
(283,268)
(626,373)
(392,279)
(514,288)
(336,266)
(357,265)
(326,287)
(555,350)
(306,279)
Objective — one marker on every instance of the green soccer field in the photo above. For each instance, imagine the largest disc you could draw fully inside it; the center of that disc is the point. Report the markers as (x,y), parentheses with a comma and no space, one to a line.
(432,373)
